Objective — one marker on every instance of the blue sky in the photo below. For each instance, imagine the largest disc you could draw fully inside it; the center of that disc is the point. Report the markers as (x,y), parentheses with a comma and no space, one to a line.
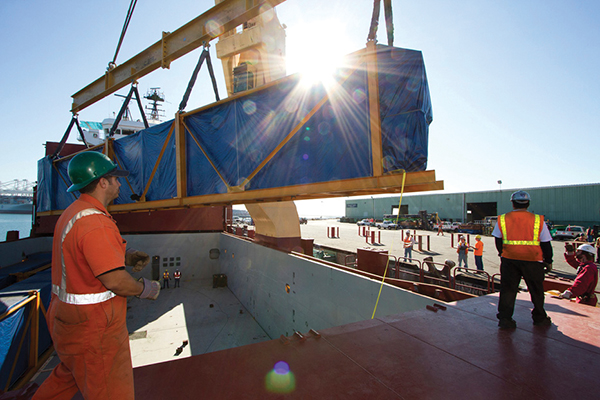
(514,84)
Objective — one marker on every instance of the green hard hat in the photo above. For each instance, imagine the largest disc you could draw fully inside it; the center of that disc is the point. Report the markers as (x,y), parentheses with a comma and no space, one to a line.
(88,166)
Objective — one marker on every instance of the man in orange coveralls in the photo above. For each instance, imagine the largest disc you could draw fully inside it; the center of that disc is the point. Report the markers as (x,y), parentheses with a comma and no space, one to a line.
(90,285)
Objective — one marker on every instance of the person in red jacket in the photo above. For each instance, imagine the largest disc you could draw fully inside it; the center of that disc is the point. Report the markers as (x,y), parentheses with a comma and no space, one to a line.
(587,274)
(177,276)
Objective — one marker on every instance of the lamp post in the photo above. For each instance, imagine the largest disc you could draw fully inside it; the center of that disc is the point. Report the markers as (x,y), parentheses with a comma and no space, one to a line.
(500,184)
(373,201)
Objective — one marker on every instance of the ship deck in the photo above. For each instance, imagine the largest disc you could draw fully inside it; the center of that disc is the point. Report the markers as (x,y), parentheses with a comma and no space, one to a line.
(456,353)
(452,353)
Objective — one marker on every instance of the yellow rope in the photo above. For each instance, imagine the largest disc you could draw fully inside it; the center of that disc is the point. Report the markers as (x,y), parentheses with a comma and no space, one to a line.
(387,264)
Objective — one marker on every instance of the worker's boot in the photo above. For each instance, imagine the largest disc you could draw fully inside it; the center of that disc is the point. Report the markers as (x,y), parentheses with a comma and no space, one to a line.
(543,322)
(507,323)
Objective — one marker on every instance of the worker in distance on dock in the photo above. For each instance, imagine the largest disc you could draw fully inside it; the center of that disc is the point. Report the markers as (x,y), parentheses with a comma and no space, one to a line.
(463,252)
(587,274)
(166,279)
(525,249)
(409,242)
(177,277)
(87,314)
(478,251)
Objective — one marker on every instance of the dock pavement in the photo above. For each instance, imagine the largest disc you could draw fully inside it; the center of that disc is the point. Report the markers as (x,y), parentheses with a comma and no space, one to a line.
(440,247)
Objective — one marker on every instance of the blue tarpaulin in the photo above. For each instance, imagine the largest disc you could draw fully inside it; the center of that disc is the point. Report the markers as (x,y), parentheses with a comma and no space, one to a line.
(326,130)
(13,327)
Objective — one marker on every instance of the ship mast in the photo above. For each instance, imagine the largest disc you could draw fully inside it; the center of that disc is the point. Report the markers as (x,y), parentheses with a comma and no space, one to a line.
(156,97)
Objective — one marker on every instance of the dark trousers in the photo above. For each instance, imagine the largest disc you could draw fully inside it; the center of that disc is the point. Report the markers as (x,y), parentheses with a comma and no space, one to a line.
(511,272)
(479,263)
(176,283)
(165,283)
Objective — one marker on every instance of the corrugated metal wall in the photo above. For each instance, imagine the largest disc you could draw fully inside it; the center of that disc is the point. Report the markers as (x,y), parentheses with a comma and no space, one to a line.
(576,204)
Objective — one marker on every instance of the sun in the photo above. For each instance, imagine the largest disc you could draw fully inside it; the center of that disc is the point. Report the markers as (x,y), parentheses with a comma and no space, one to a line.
(316,53)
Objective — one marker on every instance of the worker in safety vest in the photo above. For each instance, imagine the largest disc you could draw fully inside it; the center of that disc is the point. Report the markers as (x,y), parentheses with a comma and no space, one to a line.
(166,278)
(177,276)
(408,246)
(87,314)
(524,245)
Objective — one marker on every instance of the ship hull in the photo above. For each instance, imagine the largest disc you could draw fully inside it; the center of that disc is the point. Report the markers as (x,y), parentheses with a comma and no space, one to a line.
(16,208)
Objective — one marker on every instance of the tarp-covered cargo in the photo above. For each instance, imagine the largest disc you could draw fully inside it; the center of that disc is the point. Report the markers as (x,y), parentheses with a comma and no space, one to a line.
(284,134)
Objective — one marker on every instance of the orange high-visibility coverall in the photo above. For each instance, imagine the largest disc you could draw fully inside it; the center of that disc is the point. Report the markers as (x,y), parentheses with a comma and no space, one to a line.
(87,322)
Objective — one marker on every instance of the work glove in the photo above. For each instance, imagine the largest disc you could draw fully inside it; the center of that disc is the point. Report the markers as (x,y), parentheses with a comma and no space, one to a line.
(151,289)
(569,248)
(136,259)
(566,294)
(547,267)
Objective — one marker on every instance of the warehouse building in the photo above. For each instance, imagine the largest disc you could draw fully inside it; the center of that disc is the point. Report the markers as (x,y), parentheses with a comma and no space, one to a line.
(572,204)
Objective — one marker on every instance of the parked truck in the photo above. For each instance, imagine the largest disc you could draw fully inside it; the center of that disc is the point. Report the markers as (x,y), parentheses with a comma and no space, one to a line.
(387,225)
(570,232)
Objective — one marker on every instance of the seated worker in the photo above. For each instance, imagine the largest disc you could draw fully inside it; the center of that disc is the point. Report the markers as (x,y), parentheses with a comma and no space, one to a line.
(433,271)
(587,274)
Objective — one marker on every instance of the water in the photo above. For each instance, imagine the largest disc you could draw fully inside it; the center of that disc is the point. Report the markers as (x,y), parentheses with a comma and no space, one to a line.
(15,222)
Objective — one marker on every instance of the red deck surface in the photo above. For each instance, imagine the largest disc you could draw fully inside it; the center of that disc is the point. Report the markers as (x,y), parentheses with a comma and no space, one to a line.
(458,353)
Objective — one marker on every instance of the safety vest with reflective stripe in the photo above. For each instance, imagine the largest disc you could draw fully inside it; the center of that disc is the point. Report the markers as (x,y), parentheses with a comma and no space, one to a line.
(61,291)
(521,235)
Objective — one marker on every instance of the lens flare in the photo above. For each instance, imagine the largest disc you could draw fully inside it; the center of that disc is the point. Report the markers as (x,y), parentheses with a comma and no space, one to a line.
(213,28)
(249,107)
(280,379)
(359,96)
(267,13)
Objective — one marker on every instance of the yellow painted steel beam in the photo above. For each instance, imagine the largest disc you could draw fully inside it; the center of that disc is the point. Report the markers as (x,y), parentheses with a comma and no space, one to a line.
(415,182)
(221,18)
(181,160)
(35,332)
(374,113)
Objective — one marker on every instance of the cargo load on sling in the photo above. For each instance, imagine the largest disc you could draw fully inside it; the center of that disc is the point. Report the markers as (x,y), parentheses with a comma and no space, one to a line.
(285,135)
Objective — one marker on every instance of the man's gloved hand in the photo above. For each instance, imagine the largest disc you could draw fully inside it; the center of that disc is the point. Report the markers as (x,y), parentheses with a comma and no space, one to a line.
(569,248)
(566,294)
(151,289)
(547,267)
(136,259)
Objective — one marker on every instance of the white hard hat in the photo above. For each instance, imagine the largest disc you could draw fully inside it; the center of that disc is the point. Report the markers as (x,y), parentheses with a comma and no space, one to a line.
(587,248)
(520,196)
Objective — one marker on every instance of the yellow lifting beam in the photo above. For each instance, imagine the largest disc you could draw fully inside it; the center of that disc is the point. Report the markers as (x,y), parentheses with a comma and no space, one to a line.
(221,18)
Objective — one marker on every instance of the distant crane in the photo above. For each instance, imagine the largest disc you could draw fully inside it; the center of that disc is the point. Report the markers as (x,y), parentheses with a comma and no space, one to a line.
(17,187)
